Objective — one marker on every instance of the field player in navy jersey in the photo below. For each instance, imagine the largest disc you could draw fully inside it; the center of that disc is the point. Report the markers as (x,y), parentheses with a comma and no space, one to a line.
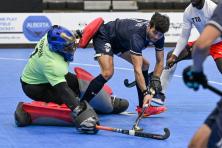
(127,38)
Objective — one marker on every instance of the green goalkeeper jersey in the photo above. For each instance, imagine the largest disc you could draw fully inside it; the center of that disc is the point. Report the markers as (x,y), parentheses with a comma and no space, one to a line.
(45,66)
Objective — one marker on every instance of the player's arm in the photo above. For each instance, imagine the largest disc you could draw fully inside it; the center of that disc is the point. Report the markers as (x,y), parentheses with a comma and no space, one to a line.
(159,47)
(67,95)
(155,83)
(159,63)
(200,50)
(182,41)
(137,61)
(83,114)
(211,32)
(184,36)
(137,45)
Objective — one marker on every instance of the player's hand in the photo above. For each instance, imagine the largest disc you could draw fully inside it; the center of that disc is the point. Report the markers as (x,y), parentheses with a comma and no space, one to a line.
(193,79)
(171,61)
(148,98)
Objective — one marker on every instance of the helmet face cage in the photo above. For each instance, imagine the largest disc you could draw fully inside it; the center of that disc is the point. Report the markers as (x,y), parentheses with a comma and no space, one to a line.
(62,41)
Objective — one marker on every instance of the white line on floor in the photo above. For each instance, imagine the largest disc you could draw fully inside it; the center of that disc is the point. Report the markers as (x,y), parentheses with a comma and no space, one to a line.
(93,65)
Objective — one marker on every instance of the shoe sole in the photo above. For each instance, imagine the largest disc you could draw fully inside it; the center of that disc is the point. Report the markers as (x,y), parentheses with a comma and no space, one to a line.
(147,115)
(157,102)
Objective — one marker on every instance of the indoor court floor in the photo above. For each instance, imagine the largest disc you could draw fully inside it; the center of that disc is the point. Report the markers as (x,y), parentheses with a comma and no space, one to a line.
(186,109)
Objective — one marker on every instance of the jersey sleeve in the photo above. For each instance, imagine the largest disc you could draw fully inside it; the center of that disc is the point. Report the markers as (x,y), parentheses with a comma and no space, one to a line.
(159,45)
(184,36)
(216,19)
(55,74)
(136,44)
(187,24)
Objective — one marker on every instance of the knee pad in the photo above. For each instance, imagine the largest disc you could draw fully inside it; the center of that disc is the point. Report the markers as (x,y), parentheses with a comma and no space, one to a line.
(22,118)
(119,105)
(89,31)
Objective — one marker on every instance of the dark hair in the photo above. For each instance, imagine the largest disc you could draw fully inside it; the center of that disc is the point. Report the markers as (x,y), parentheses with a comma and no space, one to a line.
(160,22)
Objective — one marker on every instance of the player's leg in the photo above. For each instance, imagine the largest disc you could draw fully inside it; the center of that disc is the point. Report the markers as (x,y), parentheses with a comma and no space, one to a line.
(165,79)
(41,92)
(81,113)
(219,64)
(37,92)
(215,52)
(107,69)
(167,73)
(214,122)
(104,55)
(200,139)
(96,85)
(103,102)
(215,138)
(210,133)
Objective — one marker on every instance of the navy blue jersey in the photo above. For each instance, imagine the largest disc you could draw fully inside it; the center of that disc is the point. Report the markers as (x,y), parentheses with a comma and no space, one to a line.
(130,35)
(216,18)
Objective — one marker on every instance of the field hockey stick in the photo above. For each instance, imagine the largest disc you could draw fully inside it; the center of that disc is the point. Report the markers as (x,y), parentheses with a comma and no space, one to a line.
(213,89)
(140,116)
(137,133)
(132,84)
(138,119)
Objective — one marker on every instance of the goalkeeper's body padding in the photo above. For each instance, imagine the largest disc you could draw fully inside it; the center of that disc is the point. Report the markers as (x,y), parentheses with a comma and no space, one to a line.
(43,113)
(89,31)
(103,102)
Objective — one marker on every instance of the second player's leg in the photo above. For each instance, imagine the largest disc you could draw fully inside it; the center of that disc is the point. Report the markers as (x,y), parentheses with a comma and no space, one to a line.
(200,139)
(167,73)
(107,69)
(219,64)
(215,52)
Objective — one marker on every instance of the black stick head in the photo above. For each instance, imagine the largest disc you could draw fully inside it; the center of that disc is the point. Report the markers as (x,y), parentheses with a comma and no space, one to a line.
(129,85)
(166,134)
(126,82)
